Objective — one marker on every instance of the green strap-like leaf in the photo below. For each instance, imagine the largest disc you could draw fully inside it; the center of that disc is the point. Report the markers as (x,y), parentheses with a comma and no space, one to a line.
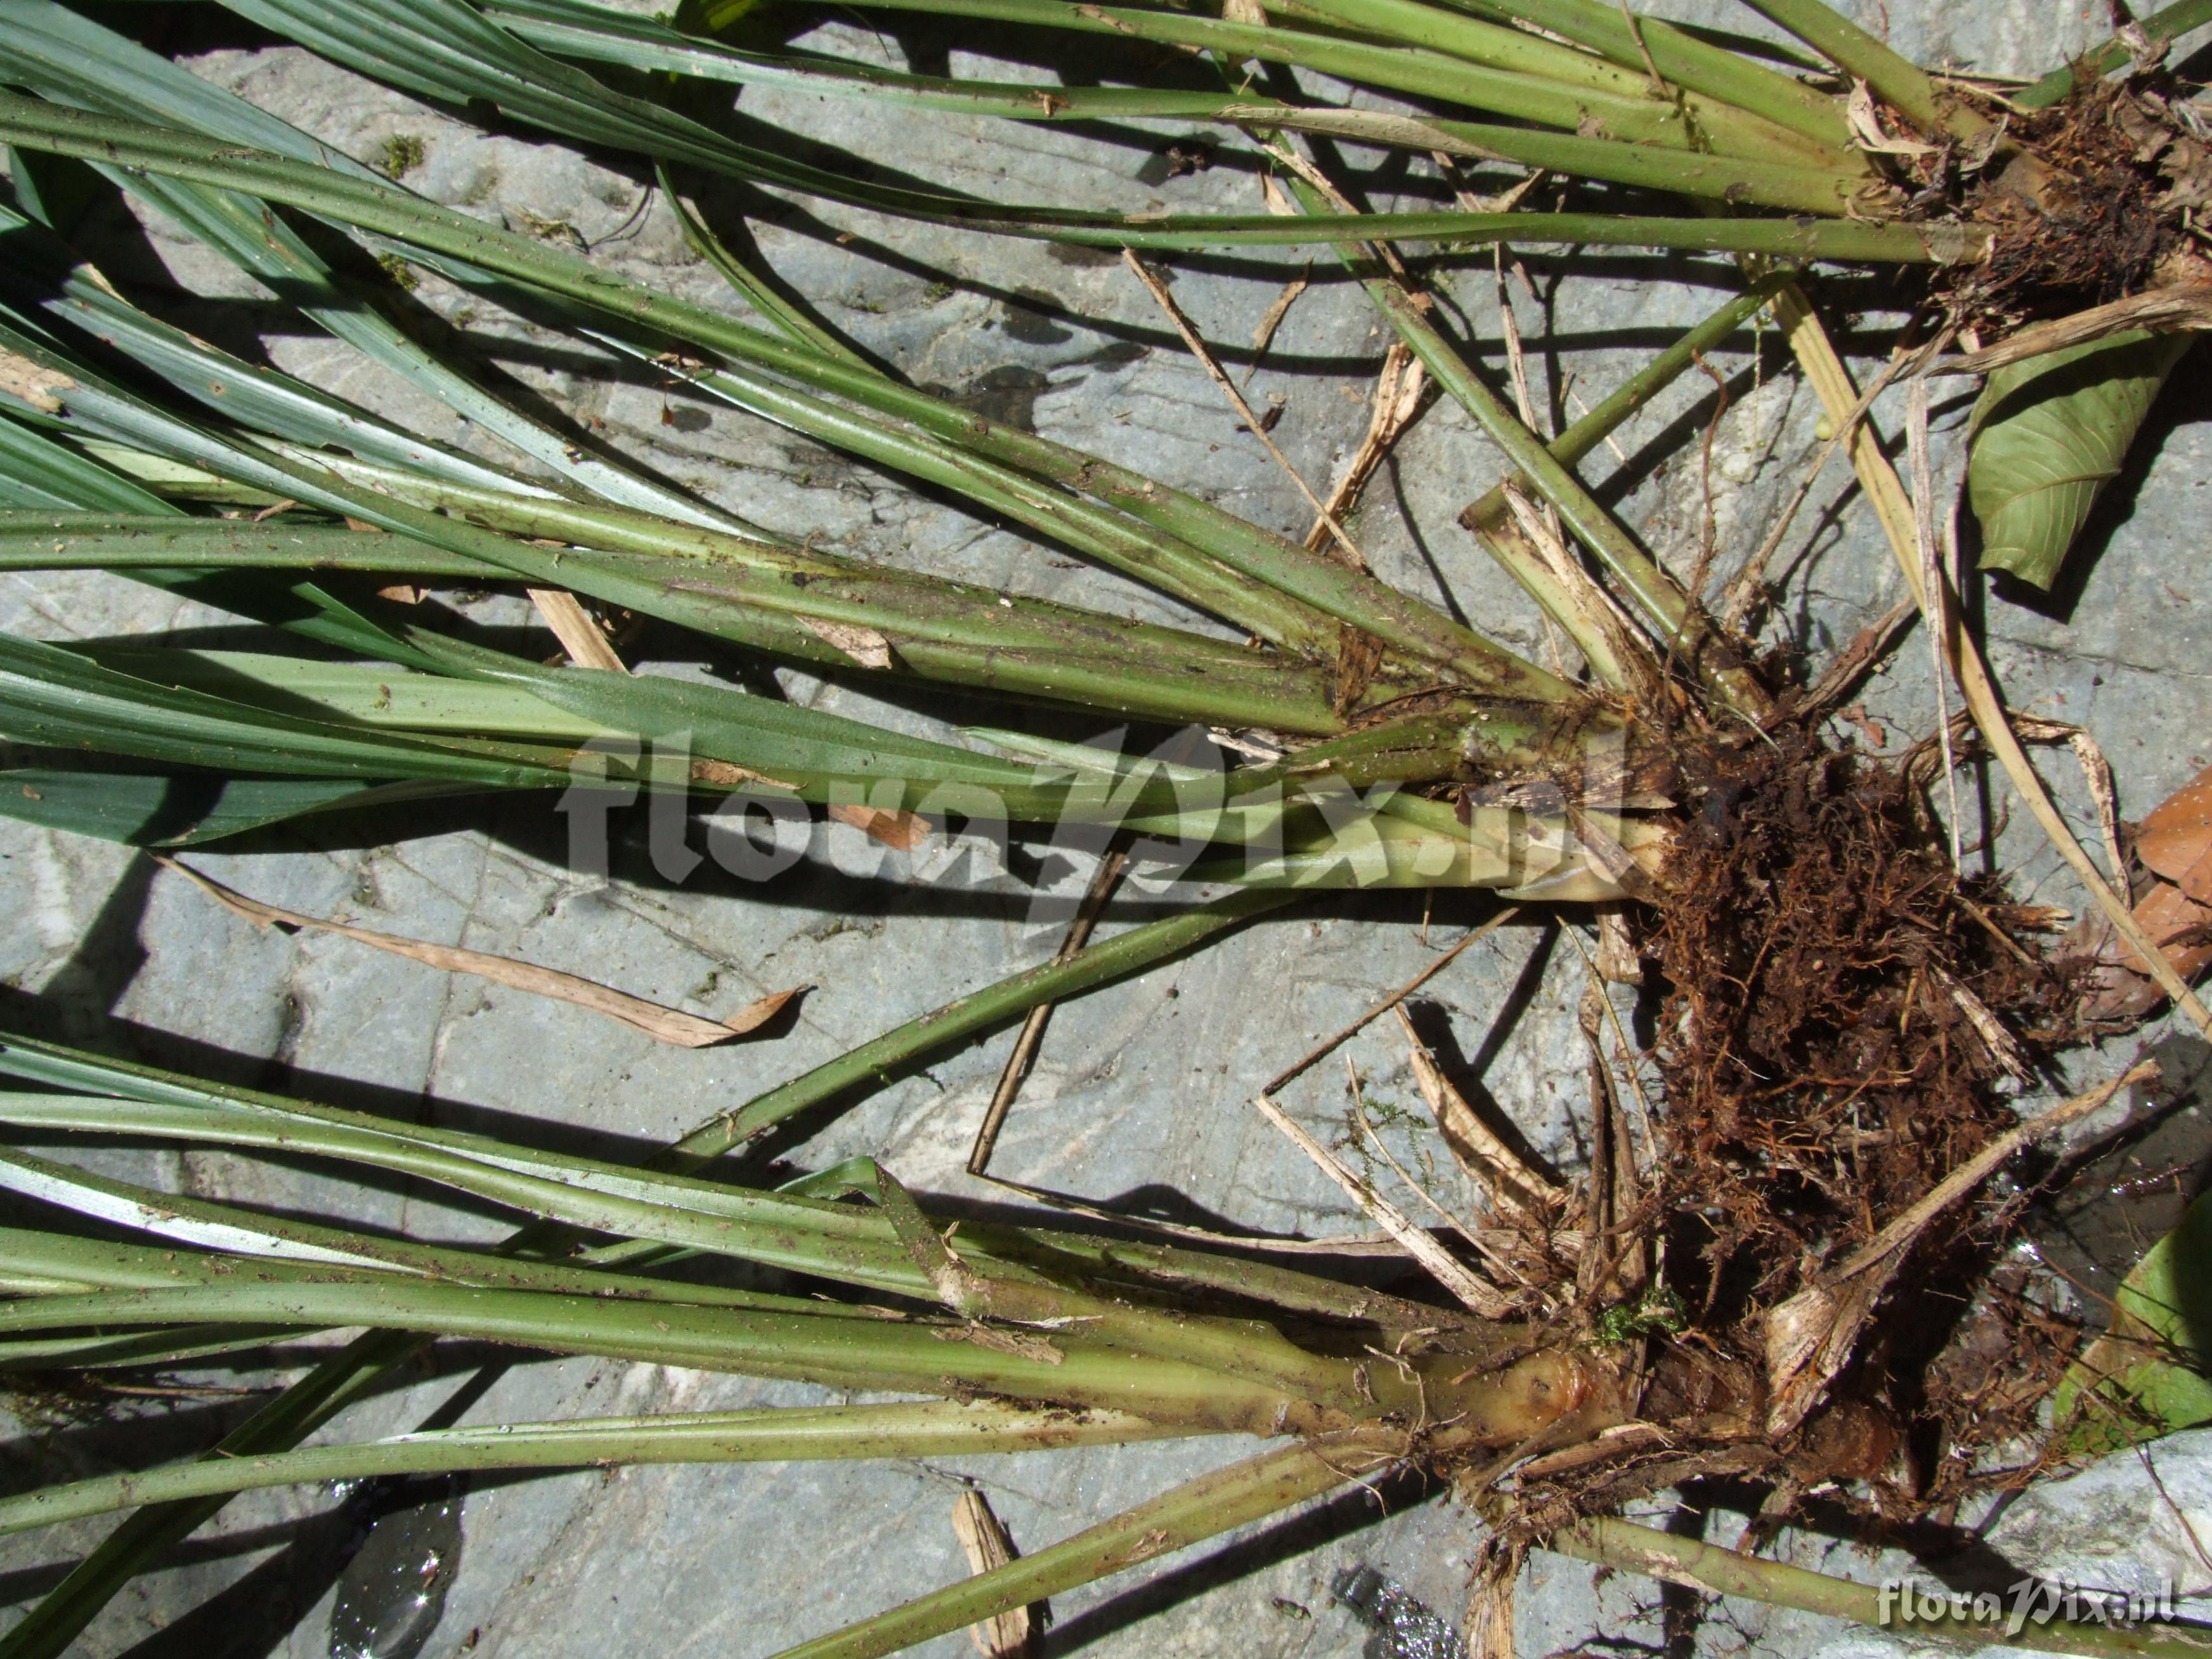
(577,29)
(37,473)
(181,809)
(58,699)
(2152,1373)
(934,1428)
(2049,434)
(74,60)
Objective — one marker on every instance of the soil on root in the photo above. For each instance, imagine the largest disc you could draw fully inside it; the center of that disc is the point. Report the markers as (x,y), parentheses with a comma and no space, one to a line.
(1843,1012)
(1828,1036)
(2120,170)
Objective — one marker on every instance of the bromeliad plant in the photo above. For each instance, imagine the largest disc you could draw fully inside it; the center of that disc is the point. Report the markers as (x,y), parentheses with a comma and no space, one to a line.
(1346,645)
(1798,922)
(1352,658)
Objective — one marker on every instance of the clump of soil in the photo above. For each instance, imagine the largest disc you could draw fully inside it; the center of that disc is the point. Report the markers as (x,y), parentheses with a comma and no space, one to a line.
(1844,1014)
(2118,166)
(1841,1018)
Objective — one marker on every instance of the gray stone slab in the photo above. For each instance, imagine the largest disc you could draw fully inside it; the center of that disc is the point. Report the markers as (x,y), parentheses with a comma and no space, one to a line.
(1139,1092)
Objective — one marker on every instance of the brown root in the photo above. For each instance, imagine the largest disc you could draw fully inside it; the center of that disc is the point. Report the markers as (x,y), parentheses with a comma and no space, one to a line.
(1823,1071)
(1839,1019)
(2105,219)
(1841,1016)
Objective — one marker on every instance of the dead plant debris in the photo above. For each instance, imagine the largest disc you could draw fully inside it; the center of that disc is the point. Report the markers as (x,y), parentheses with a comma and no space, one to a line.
(2121,169)
(1837,1021)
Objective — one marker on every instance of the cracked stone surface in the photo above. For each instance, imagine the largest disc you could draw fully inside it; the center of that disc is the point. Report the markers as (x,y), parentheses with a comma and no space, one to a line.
(2132,1525)
(1140,1095)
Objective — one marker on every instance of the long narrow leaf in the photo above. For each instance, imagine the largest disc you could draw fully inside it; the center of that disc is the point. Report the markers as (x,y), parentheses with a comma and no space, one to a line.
(1610,101)
(829,1240)
(1200,1509)
(38,474)
(44,129)
(1681,59)
(595,34)
(183,808)
(281,1243)
(929,1428)
(796,605)
(48,47)
(860,1352)
(870,1249)
(59,699)
(50,1626)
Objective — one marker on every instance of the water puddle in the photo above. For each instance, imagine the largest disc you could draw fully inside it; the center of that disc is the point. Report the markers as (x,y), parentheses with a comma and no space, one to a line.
(1404,1627)
(392,1592)
(2098,1227)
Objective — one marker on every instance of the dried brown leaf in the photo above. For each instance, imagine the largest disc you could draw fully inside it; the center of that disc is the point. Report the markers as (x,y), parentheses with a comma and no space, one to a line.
(2003,1047)
(866,645)
(999,1339)
(732,776)
(1866,126)
(1618,962)
(2175,840)
(1397,397)
(2175,845)
(2097,772)
(984,1542)
(1265,334)
(664,1024)
(904,831)
(2121,995)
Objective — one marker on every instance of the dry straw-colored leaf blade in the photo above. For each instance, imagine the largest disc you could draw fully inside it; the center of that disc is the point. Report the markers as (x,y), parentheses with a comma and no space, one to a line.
(984,1539)
(663,1025)
(579,632)
(1482,1299)
(867,647)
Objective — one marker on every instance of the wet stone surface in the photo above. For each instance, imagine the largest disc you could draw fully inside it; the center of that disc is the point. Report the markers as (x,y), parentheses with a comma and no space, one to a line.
(391,1594)
(1403,1628)
(1141,1096)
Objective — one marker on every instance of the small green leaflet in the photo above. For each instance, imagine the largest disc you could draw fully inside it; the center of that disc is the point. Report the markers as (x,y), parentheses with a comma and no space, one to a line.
(2151,1373)
(2049,434)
